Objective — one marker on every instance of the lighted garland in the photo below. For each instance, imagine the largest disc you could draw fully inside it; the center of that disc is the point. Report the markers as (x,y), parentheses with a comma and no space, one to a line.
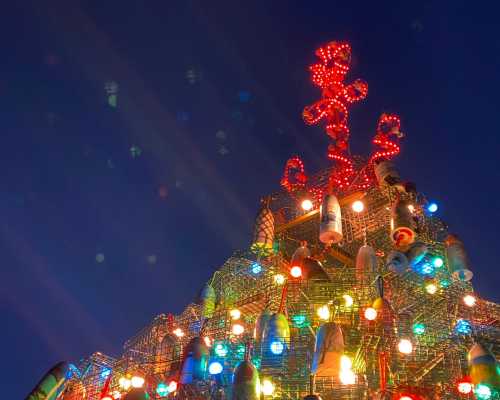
(294,181)
(388,129)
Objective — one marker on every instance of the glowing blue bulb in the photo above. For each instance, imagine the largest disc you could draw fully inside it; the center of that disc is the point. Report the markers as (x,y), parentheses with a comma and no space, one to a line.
(482,391)
(432,207)
(277,347)
(463,327)
(105,373)
(215,368)
(256,268)
(427,269)
(221,350)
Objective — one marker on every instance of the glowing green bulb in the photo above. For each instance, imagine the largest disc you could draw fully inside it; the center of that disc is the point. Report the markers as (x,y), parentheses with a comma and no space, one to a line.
(419,328)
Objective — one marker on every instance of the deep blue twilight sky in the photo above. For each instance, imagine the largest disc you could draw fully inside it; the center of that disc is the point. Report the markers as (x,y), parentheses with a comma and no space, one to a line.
(164,220)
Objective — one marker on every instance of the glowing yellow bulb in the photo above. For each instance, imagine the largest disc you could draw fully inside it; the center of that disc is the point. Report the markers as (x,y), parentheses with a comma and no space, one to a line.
(431,288)
(347,377)
(358,206)
(208,342)
(307,205)
(345,362)
(411,208)
(137,381)
(348,300)
(370,314)
(116,395)
(279,279)
(469,300)
(405,346)
(238,329)
(178,332)
(267,387)
(124,383)
(324,312)
(235,314)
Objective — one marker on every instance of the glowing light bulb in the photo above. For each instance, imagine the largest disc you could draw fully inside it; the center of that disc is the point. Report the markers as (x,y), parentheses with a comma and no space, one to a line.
(431,288)
(220,349)
(358,206)
(324,313)
(137,381)
(482,392)
(267,387)
(464,387)
(207,341)
(463,327)
(411,208)
(277,347)
(178,332)
(172,386)
(348,300)
(405,398)
(419,328)
(107,398)
(307,205)
(347,377)
(116,395)
(345,362)
(438,262)
(215,368)
(162,389)
(279,279)
(432,207)
(296,272)
(370,314)
(237,329)
(469,300)
(124,383)
(256,268)
(235,314)
(405,346)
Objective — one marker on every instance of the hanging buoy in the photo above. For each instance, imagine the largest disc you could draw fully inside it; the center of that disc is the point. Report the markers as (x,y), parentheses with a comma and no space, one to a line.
(260,325)
(313,269)
(330,227)
(51,383)
(263,234)
(386,173)
(207,300)
(416,253)
(483,366)
(402,224)
(277,329)
(328,350)
(300,253)
(458,261)
(366,262)
(195,361)
(246,382)
(397,262)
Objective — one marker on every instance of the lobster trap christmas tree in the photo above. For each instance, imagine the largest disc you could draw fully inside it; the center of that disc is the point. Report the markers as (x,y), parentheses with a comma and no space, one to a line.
(352,288)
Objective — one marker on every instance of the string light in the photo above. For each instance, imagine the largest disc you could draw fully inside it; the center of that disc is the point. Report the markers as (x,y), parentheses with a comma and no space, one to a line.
(172,386)
(235,314)
(370,314)
(405,346)
(215,368)
(324,313)
(267,387)
(348,300)
(431,288)
(296,272)
(294,177)
(207,341)
(358,206)
(137,381)
(237,329)
(277,347)
(469,300)
(279,279)
(307,205)
(178,332)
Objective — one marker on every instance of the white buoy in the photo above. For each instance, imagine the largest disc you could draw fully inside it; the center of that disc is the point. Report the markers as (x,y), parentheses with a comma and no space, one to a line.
(330,227)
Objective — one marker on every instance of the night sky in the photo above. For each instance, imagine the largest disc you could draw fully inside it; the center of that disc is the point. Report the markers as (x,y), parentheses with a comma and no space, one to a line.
(114,210)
